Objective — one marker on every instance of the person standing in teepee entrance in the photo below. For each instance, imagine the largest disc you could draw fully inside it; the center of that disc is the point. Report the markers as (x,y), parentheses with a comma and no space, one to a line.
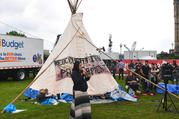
(80,107)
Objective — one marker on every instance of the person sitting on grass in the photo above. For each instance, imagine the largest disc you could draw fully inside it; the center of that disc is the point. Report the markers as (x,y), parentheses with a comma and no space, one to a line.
(132,83)
(43,95)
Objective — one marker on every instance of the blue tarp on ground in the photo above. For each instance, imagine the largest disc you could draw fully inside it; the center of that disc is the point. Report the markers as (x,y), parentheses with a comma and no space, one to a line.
(117,94)
(31,93)
(119,86)
(171,88)
(10,108)
(67,97)
(49,101)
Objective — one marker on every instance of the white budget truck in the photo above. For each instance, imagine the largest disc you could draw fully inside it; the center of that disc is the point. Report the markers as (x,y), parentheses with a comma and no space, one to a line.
(19,56)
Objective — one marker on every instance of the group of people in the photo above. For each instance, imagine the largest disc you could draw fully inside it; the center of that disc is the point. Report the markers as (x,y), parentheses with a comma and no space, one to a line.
(149,72)
(81,107)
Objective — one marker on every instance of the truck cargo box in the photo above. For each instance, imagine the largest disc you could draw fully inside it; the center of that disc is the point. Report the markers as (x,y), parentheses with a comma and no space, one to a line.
(20,52)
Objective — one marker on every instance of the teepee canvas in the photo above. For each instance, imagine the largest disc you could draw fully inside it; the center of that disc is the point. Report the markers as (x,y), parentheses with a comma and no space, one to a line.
(74,44)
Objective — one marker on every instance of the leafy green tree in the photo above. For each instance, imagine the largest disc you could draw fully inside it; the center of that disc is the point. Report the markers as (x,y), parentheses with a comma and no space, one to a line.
(15,33)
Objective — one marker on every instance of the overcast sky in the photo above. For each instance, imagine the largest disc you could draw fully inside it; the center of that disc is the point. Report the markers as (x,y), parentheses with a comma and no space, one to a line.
(149,22)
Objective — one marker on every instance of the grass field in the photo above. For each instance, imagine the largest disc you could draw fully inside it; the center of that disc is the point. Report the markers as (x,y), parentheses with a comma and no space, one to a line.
(145,108)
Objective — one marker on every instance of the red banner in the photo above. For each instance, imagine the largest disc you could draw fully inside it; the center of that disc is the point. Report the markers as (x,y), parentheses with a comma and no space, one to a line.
(158,62)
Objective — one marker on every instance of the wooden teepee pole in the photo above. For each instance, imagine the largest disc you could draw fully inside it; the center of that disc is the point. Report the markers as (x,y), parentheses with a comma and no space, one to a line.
(72,7)
(135,72)
(82,35)
(42,71)
(78,4)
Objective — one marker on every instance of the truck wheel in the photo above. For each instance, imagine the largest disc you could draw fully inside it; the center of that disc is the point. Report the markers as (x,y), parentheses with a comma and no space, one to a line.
(3,76)
(20,75)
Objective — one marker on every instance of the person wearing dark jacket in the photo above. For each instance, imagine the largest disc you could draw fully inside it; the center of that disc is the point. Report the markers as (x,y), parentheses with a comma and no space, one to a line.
(80,107)
(113,68)
(131,66)
(175,72)
(132,82)
(145,72)
(154,77)
(138,66)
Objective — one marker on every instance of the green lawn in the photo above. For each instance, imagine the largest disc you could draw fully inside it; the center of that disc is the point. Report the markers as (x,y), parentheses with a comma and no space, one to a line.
(144,108)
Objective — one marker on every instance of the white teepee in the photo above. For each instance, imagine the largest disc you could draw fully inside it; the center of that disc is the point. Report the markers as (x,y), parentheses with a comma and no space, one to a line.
(74,44)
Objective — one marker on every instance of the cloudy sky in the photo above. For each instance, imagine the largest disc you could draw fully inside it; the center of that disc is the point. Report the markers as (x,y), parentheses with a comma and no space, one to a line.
(148,22)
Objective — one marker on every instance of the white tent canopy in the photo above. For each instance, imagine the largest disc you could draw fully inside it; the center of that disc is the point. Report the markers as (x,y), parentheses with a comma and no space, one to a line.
(75,44)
